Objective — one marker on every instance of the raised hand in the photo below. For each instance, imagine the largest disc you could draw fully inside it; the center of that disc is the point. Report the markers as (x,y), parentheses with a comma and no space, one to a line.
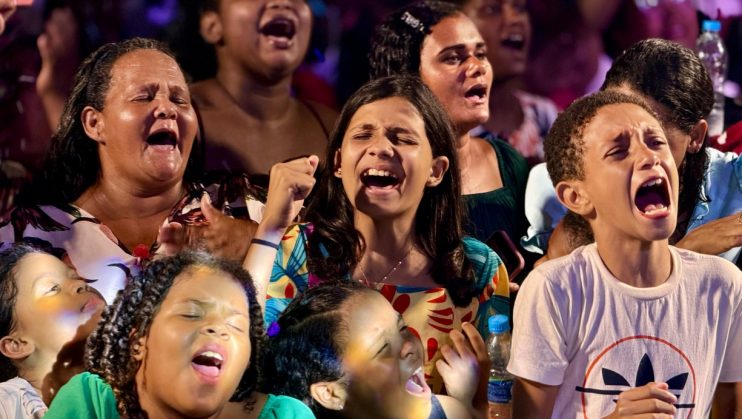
(290,183)
(465,368)
(59,47)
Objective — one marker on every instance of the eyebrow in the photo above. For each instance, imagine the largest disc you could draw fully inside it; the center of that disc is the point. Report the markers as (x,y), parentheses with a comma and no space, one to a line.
(207,304)
(395,131)
(363,127)
(460,46)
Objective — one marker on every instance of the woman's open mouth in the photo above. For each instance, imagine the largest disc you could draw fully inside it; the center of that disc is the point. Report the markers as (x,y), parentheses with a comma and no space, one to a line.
(477,94)
(653,198)
(514,41)
(379,179)
(280,31)
(208,365)
(163,140)
(416,384)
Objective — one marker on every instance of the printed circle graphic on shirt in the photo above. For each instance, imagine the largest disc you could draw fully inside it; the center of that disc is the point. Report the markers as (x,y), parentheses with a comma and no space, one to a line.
(633,362)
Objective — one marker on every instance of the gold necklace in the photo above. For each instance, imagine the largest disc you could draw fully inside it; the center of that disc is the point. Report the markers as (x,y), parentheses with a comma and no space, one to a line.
(368,283)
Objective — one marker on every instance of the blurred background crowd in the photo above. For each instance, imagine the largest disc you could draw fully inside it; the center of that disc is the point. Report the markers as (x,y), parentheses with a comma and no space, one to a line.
(559,49)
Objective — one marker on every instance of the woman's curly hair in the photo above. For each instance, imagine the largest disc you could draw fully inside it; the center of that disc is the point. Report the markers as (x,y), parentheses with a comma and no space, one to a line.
(110,347)
(308,347)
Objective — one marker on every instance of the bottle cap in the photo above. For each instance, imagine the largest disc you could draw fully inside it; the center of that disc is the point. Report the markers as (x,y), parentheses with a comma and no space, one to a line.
(711,26)
(499,323)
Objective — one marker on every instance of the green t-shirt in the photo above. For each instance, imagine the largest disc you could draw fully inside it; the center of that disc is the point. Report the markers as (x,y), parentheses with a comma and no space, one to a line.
(86,395)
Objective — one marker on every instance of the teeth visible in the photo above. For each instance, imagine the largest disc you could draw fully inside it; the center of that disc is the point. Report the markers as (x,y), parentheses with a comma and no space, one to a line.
(212,354)
(377,172)
(651,209)
(515,37)
(653,182)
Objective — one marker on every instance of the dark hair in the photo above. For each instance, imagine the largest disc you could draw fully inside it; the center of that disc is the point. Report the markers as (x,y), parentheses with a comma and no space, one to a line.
(9,260)
(397,43)
(675,77)
(309,345)
(72,164)
(209,5)
(109,348)
(439,217)
(564,143)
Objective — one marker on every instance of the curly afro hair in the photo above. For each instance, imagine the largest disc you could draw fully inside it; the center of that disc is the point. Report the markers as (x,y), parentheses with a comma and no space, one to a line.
(309,345)
(109,349)
(564,144)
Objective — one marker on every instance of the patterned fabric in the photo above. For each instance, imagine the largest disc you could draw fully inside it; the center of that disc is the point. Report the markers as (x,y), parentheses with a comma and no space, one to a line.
(83,241)
(538,115)
(429,312)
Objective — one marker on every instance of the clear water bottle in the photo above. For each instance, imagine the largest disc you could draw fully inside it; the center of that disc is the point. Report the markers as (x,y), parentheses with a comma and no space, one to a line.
(499,389)
(713,54)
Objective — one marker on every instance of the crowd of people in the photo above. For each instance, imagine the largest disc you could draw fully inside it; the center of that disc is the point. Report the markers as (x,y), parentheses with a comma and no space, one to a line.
(229,249)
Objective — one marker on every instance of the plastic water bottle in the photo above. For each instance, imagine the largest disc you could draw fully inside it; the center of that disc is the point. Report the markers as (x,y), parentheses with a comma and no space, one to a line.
(713,54)
(499,389)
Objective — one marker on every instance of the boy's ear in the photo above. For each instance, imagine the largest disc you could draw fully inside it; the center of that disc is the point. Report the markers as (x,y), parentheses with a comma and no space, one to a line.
(211,27)
(93,123)
(336,170)
(16,347)
(331,395)
(697,135)
(437,171)
(572,195)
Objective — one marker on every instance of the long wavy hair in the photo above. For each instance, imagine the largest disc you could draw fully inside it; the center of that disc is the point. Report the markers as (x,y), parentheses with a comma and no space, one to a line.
(72,164)
(675,77)
(439,219)
(109,348)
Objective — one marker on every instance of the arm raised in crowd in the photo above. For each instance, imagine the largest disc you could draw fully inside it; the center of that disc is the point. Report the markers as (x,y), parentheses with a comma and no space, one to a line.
(290,183)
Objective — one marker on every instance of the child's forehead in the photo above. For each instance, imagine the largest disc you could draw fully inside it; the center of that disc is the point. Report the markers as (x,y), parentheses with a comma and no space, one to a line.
(614,120)
(205,281)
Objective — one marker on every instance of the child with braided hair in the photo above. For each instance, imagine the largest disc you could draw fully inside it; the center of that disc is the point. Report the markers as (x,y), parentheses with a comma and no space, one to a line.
(181,340)
(342,349)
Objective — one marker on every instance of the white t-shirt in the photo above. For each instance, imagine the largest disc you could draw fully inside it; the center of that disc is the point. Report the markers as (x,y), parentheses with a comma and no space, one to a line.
(19,400)
(578,327)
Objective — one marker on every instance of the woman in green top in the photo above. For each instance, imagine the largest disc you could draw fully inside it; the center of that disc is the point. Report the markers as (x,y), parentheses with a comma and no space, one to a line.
(181,340)
(438,43)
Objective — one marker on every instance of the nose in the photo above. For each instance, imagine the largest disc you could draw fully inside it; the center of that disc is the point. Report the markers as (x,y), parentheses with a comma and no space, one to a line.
(165,109)
(513,13)
(381,147)
(215,329)
(410,349)
(476,67)
(279,4)
(648,158)
(80,287)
